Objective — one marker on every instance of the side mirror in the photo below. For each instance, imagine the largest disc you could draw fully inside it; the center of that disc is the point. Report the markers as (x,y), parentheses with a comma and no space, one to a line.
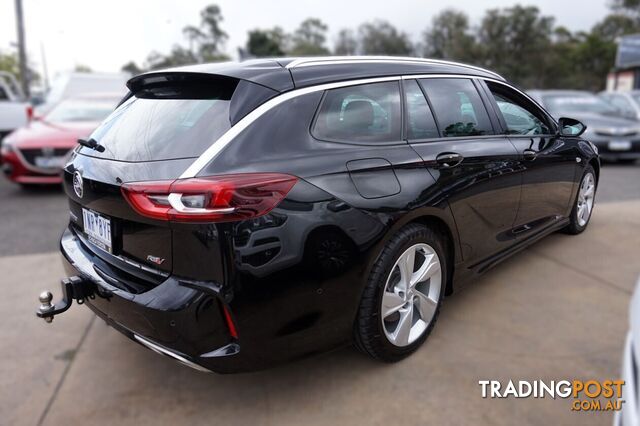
(570,127)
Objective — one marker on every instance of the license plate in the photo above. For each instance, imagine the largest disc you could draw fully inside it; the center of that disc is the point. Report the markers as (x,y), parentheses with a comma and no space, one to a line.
(98,229)
(50,162)
(620,145)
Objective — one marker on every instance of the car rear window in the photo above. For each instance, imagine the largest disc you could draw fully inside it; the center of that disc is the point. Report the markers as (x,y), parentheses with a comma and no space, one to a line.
(368,113)
(164,123)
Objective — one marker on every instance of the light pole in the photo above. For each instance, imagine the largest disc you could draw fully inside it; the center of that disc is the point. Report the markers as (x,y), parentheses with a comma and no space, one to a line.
(22,52)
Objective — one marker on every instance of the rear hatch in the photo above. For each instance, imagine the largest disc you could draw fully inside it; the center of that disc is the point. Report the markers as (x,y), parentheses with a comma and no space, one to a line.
(154,135)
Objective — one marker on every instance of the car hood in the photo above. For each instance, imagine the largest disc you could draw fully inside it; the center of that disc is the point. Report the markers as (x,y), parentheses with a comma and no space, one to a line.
(56,135)
(593,120)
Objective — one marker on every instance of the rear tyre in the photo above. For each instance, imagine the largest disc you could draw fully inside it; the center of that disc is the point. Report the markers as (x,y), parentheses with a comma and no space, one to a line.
(584,203)
(403,294)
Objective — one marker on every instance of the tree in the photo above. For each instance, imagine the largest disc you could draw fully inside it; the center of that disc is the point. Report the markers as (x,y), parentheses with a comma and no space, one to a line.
(9,63)
(178,56)
(346,44)
(449,37)
(630,8)
(614,26)
(207,40)
(264,43)
(382,38)
(309,38)
(131,68)
(515,41)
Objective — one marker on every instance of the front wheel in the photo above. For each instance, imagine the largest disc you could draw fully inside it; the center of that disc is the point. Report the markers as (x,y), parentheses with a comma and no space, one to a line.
(583,205)
(403,294)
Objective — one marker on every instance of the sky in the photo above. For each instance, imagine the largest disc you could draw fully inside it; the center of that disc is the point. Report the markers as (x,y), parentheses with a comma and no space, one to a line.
(105,35)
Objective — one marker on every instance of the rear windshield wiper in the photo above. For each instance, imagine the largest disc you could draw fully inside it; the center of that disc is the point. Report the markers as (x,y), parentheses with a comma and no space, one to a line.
(91,143)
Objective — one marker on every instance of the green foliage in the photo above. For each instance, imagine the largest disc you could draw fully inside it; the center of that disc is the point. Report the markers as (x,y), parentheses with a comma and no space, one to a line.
(449,37)
(309,39)
(132,68)
(519,42)
(9,63)
(346,44)
(529,49)
(264,43)
(381,38)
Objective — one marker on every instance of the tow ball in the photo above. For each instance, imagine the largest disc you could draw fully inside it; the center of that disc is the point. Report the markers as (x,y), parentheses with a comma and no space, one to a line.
(73,288)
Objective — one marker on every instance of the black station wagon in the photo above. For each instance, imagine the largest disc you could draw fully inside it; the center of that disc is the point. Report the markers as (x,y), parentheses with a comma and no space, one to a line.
(236,215)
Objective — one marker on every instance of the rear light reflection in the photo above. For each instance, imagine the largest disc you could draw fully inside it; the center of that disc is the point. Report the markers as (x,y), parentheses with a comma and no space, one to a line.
(211,199)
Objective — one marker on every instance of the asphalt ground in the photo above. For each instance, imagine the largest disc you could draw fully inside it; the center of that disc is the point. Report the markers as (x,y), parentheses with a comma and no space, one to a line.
(558,310)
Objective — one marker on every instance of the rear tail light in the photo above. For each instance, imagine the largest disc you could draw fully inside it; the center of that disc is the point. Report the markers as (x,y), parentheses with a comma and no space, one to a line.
(211,199)
(29,113)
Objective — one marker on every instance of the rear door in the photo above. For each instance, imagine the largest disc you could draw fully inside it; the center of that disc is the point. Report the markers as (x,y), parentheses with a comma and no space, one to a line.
(475,169)
(548,161)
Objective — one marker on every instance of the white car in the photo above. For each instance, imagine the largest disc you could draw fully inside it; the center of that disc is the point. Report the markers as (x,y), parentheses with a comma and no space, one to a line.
(14,110)
(628,103)
(628,415)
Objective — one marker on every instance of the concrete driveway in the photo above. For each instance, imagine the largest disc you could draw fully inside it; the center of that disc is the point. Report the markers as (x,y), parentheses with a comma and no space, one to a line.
(555,311)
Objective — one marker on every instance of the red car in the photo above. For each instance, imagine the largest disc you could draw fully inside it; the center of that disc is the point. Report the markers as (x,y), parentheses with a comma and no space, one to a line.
(35,154)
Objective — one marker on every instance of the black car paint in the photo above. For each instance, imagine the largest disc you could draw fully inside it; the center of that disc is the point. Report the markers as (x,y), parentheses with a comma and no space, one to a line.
(292,281)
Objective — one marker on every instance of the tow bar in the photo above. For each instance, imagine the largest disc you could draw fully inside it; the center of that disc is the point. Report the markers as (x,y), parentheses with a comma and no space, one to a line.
(72,288)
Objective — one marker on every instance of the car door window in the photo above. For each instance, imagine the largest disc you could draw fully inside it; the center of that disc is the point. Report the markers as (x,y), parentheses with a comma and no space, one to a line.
(457,107)
(520,116)
(367,113)
(420,121)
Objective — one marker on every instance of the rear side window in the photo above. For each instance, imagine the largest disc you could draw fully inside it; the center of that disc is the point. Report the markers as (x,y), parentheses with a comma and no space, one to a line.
(420,121)
(165,124)
(367,113)
(457,106)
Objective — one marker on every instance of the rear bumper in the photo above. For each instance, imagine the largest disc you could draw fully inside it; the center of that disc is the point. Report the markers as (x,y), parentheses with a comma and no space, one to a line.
(176,318)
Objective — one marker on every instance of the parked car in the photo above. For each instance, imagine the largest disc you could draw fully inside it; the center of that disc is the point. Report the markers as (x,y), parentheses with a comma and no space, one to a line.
(617,137)
(15,111)
(74,84)
(35,154)
(629,415)
(232,216)
(626,102)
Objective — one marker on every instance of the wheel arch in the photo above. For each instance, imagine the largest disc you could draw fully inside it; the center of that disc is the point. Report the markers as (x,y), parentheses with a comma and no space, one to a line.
(438,220)
(441,227)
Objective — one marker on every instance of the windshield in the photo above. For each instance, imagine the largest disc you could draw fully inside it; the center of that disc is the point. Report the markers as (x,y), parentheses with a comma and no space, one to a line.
(81,110)
(144,129)
(581,103)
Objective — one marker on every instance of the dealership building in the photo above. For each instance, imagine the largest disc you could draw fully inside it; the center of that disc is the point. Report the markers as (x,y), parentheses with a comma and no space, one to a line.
(626,74)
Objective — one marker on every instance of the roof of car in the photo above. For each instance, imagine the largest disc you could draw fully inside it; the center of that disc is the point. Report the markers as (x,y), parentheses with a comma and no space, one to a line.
(283,74)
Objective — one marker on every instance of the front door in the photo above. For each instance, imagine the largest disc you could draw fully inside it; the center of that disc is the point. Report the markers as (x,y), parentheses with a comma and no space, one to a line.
(547,160)
(475,170)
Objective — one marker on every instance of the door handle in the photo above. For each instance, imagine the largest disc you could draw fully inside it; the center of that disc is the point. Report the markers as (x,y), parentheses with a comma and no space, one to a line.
(529,154)
(449,159)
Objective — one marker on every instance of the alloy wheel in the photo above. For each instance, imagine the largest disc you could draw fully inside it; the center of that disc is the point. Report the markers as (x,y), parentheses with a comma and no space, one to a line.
(586,196)
(411,295)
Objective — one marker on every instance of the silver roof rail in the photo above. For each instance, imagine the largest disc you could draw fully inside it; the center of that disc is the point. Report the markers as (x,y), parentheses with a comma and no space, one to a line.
(336,60)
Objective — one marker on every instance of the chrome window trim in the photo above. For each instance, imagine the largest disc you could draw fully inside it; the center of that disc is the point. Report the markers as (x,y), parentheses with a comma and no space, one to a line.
(221,143)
